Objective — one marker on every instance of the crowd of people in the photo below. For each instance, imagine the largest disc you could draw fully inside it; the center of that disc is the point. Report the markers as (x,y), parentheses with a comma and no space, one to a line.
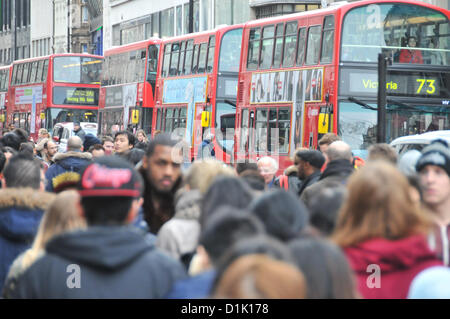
(125,218)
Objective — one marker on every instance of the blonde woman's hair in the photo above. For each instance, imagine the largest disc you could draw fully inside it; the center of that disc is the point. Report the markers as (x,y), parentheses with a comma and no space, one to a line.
(143,133)
(202,173)
(61,216)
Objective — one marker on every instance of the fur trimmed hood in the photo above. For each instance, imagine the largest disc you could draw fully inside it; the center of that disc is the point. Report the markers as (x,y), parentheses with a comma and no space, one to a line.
(25,198)
(291,170)
(63,156)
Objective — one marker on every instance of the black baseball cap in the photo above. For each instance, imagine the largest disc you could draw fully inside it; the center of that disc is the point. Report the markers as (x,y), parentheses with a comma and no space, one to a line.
(110,176)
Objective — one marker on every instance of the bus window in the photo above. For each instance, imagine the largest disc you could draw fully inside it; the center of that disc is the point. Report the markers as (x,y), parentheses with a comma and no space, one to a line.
(183,114)
(244,131)
(272,131)
(253,49)
(202,58)
(139,74)
(284,123)
(195,59)
(278,46)
(176,117)
(225,124)
(210,64)
(182,55)
(261,130)
(169,120)
(301,46)
(45,71)
(230,48)
(33,71)
(290,44)
(267,47)
(40,69)
(313,47)
(166,64)
(76,69)
(158,119)
(18,74)
(362,42)
(152,65)
(26,73)
(327,40)
(188,61)
(174,60)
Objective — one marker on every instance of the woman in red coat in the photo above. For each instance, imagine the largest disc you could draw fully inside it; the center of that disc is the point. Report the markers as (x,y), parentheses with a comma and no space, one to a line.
(383,232)
(411,56)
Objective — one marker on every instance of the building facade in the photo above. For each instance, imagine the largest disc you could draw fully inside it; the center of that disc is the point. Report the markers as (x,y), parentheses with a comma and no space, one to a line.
(72,30)
(41,32)
(95,8)
(14,30)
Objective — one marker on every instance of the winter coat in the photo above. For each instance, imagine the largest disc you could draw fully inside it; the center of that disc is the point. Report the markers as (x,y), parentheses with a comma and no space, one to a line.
(179,236)
(15,271)
(337,172)
(294,183)
(21,210)
(100,262)
(196,287)
(399,261)
(81,134)
(90,140)
(141,145)
(411,56)
(62,172)
(310,180)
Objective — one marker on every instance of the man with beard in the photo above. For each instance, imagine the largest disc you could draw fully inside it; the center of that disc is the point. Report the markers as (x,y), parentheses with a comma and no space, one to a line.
(161,170)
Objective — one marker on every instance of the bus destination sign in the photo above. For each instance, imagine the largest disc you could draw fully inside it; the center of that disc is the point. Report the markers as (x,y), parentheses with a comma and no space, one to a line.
(418,84)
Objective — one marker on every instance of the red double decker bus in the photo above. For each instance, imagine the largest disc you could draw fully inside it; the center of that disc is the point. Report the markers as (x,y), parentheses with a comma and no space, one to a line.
(128,87)
(306,74)
(197,87)
(58,88)
(4,83)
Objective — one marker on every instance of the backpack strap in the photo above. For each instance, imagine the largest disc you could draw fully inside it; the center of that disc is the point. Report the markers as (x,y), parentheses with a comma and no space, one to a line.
(284,182)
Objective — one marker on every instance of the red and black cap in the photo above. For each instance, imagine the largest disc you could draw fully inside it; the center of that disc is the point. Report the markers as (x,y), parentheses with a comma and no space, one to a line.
(110,176)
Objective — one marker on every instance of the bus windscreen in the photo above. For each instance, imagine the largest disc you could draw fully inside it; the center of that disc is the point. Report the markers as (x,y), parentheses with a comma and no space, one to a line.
(77,69)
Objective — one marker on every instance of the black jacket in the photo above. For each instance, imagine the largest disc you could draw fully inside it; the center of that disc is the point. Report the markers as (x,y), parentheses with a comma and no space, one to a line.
(336,173)
(114,262)
(311,179)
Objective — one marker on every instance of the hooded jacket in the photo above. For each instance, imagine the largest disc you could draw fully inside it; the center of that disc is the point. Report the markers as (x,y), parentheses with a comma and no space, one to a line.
(399,261)
(21,210)
(179,236)
(100,262)
(66,170)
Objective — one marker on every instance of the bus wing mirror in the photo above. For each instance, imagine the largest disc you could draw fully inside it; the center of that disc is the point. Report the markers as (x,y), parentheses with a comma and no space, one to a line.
(324,120)
(205,119)
(135,117)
